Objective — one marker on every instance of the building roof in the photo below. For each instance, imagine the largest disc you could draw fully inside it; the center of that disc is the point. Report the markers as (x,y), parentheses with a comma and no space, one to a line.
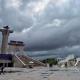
(16,43)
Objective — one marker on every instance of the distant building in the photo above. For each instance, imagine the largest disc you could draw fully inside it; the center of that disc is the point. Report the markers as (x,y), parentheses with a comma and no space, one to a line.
(68,61)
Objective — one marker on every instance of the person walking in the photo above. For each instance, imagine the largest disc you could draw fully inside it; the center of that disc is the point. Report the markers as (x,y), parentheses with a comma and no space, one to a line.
(2,69)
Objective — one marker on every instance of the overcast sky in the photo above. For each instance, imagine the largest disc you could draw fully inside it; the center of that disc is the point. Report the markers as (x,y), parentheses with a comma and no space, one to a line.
(44,25)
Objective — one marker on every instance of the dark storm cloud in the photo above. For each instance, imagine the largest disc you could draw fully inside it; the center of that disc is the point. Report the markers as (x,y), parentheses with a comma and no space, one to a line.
(56,53)
(49,38)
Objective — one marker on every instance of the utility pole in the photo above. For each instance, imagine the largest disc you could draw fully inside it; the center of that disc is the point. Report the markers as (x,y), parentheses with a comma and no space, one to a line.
(5,33)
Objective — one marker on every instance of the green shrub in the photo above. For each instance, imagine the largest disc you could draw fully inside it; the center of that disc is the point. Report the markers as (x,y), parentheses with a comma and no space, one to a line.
(52,61)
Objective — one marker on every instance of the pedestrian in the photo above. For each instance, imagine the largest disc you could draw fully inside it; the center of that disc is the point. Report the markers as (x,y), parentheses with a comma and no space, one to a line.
(2,69)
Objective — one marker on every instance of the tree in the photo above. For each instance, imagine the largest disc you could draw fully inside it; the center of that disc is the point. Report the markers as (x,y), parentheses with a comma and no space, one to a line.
(51,61)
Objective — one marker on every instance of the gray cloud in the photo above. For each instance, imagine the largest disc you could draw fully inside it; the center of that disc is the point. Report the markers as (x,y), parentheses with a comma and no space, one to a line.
(42,24)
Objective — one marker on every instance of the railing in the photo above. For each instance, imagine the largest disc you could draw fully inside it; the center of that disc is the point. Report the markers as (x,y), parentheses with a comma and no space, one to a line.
(19,59)
(27,58)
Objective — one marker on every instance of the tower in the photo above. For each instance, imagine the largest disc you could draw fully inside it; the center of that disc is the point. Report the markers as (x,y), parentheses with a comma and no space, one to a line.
(5,59)
(5,33)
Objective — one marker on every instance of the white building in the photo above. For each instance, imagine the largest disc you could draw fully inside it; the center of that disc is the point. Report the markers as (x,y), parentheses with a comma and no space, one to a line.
(68,61)
(77,62)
